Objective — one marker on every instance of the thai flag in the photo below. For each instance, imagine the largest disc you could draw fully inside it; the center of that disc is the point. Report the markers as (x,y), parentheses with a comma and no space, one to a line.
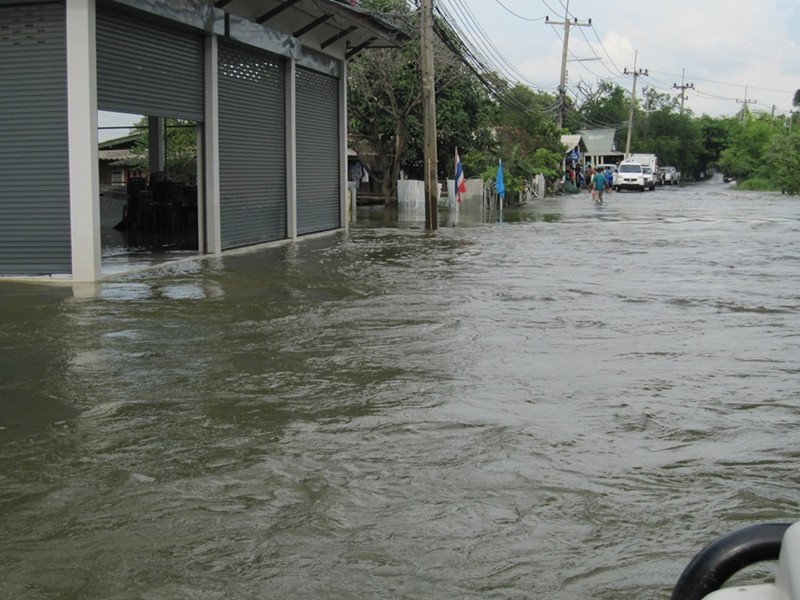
(460,182)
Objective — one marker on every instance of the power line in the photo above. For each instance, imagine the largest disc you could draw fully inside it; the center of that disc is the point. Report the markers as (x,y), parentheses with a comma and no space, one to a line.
(563,81)
(478,37)
(453,41)
(518,16)
(598,56)
(480,50)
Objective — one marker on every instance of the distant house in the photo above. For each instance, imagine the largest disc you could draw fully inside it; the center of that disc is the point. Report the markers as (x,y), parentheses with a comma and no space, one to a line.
(600,146)
(116,164)
(574,149)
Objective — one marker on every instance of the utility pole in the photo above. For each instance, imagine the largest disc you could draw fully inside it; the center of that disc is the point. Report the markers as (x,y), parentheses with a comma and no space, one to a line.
(683,87)
(429,119)
(562,87)
(636,74)
(745,102)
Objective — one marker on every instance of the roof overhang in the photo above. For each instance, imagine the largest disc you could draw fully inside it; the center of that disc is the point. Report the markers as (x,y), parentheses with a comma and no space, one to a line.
(319,24)
(599,142)
(119,155)
(571,141)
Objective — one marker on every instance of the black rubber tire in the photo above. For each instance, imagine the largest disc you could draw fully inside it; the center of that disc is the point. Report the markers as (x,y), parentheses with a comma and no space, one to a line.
(727,555)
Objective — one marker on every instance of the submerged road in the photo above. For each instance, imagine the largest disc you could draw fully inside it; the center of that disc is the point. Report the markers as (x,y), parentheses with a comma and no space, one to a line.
(567,402)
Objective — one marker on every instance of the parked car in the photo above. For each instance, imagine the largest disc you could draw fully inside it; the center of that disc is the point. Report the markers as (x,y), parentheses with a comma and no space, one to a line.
(630,176)
(649,178)
(671,175)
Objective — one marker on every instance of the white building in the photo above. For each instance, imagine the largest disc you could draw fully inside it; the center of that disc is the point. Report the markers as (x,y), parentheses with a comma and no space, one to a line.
(263,81)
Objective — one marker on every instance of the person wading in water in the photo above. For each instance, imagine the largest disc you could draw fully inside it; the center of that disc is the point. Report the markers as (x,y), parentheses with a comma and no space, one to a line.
(598,185)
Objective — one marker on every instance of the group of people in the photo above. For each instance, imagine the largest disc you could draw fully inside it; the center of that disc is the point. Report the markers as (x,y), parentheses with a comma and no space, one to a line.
(600,181)
(597,181)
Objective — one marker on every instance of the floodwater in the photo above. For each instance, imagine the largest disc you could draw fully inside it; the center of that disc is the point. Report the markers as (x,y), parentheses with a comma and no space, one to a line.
(565,402)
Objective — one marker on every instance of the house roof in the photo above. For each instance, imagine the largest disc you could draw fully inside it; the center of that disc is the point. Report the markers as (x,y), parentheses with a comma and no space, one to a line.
(600,142)
(330,21)
(122,142)
(115,155)
(570,141)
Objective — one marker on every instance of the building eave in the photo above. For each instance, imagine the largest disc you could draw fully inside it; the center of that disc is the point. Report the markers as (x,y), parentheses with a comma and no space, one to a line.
(319,23)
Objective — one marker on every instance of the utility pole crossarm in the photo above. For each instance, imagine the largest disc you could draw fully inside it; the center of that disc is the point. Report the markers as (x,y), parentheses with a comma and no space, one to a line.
(683,87)
(562,86)
(745,102)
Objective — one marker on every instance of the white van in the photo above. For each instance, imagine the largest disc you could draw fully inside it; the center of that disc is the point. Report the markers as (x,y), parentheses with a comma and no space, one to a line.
(630,176)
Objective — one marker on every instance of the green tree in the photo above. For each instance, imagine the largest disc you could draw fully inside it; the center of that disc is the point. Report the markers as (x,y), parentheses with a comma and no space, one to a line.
(385,104)
(745,155)
(676,139)
(608,106)
(522,108)
(180,152)
(783,156)
(463,109)
(523,135)
(714,135)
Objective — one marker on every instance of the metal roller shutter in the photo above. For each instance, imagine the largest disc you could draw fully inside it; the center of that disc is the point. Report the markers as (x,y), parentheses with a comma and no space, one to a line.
(252,146)
(146,67)
(34,157)
(318,202)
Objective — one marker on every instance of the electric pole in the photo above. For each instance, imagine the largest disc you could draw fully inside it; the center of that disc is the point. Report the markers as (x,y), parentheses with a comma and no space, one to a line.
(562,87)
(745,102)
(429,119)
(683,87)
(636,74)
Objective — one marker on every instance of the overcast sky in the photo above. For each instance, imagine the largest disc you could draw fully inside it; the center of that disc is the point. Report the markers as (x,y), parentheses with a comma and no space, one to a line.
(724,46)
(731,50)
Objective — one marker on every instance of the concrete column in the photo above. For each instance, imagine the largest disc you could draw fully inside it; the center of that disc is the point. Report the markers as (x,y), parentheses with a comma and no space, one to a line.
(291,150)
(209,198)
(156,146)
(343,174)
(84,179)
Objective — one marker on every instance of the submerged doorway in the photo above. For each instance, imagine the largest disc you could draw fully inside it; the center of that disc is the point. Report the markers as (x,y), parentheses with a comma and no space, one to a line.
(149,191)
(150,71)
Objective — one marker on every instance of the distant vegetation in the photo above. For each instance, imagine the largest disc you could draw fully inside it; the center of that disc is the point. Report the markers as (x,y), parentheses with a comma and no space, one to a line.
(181,148)
(757,184)
(488,118)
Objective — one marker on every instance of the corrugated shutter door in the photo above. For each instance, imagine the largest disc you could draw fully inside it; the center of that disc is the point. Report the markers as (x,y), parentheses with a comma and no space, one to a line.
(34,158)
(145,67)
(252,145)
(317,102)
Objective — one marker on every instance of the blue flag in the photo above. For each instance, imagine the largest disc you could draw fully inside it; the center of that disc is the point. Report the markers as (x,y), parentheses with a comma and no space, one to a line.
(500,184)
